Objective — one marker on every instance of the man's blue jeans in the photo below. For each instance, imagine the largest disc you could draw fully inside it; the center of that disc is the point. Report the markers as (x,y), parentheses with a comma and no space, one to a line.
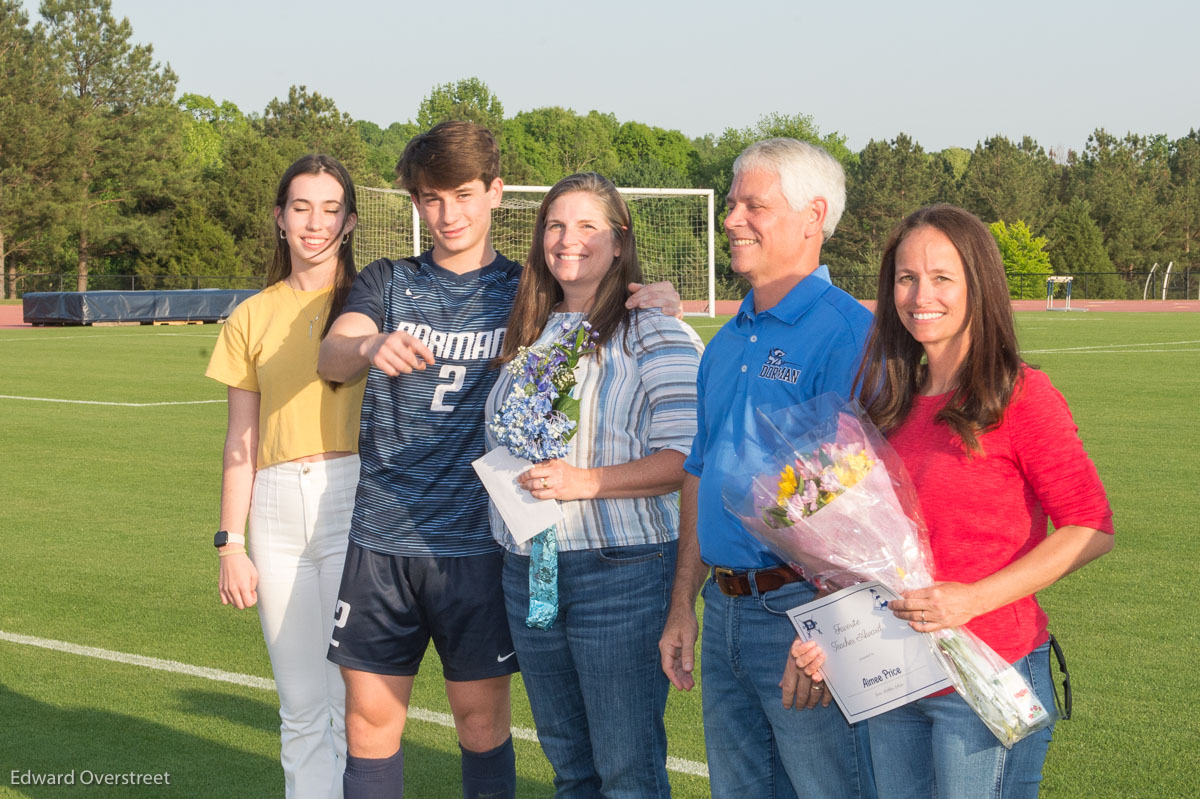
(937,746)
(594,679)
(756,748)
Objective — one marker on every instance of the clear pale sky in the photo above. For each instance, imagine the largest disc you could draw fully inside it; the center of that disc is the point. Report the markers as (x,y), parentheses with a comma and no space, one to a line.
(946,73)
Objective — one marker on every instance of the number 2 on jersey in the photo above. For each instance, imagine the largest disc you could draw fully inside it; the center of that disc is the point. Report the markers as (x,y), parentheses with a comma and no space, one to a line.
(439,396)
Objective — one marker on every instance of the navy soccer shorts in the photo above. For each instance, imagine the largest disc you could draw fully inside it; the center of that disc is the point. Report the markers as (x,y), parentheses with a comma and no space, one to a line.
(390,606)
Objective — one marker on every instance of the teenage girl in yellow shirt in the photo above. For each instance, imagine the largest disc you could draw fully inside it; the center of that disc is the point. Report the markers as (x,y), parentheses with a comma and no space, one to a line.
(290,465)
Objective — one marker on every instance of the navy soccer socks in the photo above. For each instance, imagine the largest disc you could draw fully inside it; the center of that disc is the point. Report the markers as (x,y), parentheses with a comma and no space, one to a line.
(374,777)
(489,775)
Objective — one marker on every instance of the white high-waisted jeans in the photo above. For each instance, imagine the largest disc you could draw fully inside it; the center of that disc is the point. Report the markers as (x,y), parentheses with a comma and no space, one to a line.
(299,522)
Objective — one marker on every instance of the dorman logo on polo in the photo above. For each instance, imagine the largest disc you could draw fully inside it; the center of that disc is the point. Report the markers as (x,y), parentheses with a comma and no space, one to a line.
(776,368)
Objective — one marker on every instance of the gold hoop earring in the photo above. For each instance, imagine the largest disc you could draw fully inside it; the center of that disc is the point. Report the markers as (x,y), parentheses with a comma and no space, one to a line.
(345,238)
(282,235)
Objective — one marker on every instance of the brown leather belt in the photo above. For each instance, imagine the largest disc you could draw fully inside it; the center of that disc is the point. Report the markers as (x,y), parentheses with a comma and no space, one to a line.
(734,583)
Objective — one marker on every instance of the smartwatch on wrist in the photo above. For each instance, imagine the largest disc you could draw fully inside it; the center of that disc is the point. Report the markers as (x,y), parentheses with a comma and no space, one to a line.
(224,537)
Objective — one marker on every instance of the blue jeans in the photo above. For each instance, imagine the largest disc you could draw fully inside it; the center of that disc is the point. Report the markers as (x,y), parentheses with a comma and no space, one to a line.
(937,746)
(594,679)
(756,748)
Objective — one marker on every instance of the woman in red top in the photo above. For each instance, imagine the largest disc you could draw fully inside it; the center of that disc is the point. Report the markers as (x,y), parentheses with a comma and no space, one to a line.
(993,452)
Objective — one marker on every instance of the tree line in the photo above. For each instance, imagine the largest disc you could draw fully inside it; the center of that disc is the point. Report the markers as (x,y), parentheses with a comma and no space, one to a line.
(104,170)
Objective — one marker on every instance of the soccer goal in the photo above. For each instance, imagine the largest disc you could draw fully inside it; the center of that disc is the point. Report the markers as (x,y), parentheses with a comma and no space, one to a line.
(674,229)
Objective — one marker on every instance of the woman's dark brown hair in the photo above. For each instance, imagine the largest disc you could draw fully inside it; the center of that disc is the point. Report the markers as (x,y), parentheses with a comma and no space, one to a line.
(892,371)
(281,262)
(538,291)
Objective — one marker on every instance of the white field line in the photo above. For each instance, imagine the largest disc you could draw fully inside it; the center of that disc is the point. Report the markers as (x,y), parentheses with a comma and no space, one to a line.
(32,337)
(119,404)
(191,335)
(1110,352)
(1107,352)
(1121,347)
(173,666)
(690,767)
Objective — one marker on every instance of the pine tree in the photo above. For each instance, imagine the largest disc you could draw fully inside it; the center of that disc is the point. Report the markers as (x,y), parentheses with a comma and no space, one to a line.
(308,122)
(33,137)
(1127,183)
(1010,181)
(1185,199)
(887,183)
(1077,248)
(125,133)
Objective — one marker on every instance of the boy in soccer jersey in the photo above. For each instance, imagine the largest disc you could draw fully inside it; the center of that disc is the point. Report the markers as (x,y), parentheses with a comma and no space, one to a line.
(421,562)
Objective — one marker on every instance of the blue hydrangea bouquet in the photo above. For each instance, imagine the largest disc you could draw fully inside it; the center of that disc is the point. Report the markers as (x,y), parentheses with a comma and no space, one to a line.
(536,421)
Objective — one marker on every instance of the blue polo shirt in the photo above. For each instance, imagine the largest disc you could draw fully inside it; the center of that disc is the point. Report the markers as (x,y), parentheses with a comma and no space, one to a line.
(808,344)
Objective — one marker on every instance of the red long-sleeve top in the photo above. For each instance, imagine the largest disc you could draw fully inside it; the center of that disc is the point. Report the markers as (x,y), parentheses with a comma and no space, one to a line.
(986,511)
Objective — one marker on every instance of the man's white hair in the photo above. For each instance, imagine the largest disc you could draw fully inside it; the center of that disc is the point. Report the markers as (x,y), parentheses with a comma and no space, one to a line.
(805,172)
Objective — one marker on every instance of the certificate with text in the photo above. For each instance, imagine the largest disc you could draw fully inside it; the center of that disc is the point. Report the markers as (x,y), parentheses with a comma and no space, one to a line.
(873,661)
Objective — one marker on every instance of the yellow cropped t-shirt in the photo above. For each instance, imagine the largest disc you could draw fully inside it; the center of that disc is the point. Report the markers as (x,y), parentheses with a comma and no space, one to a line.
(266,346)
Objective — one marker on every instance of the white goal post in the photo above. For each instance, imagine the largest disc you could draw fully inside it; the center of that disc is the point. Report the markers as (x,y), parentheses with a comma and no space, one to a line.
(674,229)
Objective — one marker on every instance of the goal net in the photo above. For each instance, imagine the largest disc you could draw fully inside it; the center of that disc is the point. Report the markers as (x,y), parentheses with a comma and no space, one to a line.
(674,229)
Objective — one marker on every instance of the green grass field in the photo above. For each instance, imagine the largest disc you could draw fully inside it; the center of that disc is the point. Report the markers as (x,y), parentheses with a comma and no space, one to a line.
(108,511)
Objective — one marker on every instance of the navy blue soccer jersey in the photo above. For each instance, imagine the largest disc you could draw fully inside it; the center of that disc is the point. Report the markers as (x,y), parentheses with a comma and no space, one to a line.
(417,493)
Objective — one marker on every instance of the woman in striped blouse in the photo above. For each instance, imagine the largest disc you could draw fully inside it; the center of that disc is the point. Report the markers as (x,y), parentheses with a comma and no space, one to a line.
(593,675)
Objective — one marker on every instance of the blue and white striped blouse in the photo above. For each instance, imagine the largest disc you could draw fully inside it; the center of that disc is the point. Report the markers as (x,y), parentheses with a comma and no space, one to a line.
(632,404)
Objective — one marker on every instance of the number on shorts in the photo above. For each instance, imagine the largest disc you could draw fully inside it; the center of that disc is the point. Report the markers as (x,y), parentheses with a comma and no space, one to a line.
(341,615)
(459,373)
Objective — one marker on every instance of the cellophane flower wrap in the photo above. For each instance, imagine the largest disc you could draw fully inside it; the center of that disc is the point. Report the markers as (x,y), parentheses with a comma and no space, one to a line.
(823,490)
(536,421)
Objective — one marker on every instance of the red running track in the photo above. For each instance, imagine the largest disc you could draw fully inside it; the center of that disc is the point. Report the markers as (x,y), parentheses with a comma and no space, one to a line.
(11,317)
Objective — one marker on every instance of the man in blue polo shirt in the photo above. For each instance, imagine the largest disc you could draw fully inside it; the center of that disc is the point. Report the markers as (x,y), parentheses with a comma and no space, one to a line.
(794,337)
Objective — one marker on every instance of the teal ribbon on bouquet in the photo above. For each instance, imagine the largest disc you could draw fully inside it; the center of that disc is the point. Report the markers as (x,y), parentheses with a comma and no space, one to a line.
(543,580)
(536,421)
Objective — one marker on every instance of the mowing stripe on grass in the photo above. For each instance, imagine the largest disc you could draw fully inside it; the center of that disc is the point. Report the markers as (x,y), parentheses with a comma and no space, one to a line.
(676,764)
(119,404)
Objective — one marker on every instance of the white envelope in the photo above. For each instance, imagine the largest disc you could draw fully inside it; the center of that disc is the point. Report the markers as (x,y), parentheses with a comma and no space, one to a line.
(524,515)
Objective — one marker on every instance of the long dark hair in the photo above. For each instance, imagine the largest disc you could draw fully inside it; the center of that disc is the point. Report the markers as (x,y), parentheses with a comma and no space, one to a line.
(538,291)
(892,370)
(281,261)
